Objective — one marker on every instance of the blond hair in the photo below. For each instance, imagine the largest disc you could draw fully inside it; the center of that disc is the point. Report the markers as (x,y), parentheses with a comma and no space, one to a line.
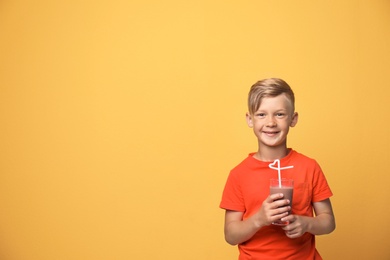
(271,87)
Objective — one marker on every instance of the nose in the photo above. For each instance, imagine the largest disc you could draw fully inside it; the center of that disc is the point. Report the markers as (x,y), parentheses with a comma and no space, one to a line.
(271,122)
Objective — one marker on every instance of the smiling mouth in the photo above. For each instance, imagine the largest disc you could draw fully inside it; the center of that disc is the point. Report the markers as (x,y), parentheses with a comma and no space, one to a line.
(270,133)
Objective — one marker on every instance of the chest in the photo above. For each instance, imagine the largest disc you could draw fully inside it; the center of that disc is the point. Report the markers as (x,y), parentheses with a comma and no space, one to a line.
(255,188)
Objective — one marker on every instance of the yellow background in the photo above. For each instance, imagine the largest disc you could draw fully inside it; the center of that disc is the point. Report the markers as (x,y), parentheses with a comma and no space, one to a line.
(120,121)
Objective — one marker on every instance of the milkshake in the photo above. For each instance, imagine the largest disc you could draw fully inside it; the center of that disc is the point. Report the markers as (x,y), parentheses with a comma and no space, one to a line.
(286,186)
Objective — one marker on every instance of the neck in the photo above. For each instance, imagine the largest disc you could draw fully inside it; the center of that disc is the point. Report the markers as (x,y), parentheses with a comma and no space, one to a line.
(269,154)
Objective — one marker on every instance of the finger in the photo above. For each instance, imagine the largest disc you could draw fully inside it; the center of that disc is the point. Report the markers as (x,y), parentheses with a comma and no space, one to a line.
(274,197)
(292,234)
(281,203)
(289,218)
(281,212)
(279,215)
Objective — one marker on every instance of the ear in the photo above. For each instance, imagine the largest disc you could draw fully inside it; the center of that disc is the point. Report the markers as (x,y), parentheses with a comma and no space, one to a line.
(294,120)
(249,120)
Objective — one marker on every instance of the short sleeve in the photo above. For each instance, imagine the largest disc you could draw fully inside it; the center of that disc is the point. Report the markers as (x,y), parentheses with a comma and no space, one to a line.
(321,189)
(232,198)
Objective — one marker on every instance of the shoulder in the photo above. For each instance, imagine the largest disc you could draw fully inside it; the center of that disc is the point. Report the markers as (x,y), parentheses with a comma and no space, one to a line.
(248,163)
(303,159)
(242,169)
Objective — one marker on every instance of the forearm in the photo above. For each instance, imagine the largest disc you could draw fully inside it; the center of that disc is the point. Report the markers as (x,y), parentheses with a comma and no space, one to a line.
(321,224)
(239,231)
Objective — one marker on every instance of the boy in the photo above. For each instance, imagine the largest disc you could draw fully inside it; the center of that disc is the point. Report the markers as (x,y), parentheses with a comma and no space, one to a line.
(250,210)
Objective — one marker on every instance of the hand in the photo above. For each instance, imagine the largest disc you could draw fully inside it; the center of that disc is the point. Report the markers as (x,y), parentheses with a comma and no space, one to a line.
(297,227)
(273,208)
(322,223)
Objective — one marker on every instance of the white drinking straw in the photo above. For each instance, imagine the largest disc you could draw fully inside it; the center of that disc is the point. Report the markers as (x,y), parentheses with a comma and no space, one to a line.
(278,168)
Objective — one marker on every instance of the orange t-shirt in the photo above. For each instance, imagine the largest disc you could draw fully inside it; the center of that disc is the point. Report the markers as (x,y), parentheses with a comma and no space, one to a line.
(248,186)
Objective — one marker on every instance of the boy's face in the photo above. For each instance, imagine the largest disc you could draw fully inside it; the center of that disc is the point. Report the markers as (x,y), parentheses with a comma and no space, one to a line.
(271,122)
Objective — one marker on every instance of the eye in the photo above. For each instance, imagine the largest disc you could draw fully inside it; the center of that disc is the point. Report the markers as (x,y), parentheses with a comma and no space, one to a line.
(280,115)
(261,115)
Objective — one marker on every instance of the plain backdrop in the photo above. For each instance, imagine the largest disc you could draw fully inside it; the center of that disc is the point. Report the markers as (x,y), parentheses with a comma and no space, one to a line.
(120,121)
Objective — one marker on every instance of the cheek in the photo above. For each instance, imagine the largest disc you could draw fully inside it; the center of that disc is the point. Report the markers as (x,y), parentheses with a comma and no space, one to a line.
(257,125)
(286,126)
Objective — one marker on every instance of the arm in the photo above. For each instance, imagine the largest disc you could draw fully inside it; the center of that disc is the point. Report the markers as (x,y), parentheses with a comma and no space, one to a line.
(238,230)
(322,223)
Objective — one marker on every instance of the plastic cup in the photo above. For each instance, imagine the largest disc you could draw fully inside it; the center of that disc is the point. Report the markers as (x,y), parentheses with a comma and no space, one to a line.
(286,186)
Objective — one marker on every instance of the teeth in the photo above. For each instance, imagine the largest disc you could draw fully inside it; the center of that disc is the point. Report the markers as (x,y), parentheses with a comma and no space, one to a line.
(271,133)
